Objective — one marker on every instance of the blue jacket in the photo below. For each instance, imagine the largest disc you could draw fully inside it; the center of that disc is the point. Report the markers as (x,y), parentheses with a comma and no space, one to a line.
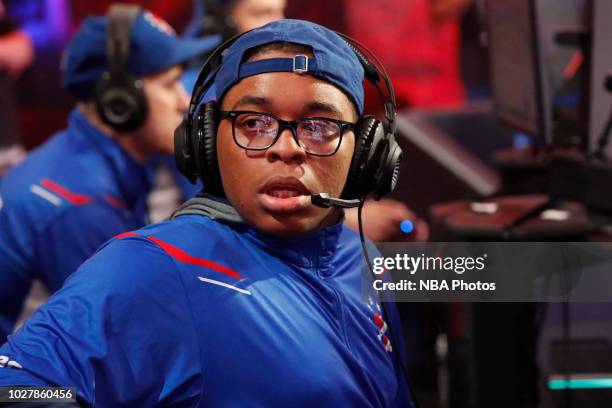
(56,208)
(194,312)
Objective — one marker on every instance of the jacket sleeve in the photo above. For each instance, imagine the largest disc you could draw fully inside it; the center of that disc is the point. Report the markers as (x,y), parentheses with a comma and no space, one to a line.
(120,332)
(73,236)
(16,253)
(50,252)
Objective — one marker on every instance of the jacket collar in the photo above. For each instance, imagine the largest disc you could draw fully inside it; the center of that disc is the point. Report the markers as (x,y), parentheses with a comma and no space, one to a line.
(312,250)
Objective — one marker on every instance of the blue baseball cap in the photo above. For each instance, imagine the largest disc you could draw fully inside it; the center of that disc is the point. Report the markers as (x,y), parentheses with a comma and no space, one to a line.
(154,47)
(332,61)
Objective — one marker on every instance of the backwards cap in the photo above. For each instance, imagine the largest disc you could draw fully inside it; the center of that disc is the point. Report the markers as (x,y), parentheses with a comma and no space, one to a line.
(333,61)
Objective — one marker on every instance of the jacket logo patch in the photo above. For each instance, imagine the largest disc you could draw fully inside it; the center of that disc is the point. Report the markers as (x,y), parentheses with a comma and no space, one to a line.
(380,324)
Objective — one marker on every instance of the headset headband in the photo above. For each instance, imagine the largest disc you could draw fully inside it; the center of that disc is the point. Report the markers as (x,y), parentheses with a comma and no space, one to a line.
(206,75)
(121,17)
(373,69)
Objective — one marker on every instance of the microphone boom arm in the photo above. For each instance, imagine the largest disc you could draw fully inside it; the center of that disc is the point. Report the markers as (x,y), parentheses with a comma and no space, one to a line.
(324,200)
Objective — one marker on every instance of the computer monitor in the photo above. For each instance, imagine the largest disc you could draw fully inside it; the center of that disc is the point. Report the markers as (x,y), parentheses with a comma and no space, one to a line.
(540,62)
(601,67)
(516,67)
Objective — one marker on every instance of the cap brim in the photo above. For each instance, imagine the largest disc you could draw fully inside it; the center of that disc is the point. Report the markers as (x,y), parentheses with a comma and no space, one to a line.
(189,48)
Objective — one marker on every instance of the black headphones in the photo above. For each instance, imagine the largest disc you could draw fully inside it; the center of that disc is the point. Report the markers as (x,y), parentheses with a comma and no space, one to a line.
(120,98)
(376,160)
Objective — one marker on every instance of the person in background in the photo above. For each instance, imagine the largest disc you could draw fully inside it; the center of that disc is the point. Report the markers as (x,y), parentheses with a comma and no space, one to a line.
(89,182)
(177,13)
(419,43)
(223,19)
(16,54)
(231,17)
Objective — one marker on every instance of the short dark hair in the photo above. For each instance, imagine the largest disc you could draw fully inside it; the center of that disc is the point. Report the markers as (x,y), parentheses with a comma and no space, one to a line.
(277,46)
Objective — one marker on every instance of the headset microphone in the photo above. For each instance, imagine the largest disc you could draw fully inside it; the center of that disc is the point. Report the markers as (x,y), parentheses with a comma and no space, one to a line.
(323,200)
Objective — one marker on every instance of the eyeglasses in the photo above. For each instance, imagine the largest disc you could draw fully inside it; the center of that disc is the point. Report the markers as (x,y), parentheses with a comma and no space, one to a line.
(259,131)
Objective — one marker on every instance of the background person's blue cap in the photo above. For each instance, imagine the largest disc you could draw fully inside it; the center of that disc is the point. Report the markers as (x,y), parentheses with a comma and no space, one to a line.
(153,47)
(334,61)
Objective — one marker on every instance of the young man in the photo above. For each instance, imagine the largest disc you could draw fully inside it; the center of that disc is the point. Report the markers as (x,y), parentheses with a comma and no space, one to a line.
(251,301)
(89,182)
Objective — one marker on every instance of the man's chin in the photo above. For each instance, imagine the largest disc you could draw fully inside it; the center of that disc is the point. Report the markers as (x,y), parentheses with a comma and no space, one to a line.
(287,218)
(297,223)
(285,225)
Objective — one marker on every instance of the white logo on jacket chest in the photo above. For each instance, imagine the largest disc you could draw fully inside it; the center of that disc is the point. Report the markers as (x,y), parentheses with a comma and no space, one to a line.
(7,362)
(223,284)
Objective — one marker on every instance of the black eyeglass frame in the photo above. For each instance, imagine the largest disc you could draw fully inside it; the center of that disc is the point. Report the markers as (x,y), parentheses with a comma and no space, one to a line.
(292,125)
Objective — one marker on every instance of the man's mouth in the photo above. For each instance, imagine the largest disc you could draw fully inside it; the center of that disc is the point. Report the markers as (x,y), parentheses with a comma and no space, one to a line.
(284,194)
(280,192)
(284,187)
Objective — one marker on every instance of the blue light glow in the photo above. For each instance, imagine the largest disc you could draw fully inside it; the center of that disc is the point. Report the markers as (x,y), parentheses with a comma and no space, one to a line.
(407,227)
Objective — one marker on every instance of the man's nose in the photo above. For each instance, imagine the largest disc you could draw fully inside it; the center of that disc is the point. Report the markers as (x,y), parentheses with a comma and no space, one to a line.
(286,149)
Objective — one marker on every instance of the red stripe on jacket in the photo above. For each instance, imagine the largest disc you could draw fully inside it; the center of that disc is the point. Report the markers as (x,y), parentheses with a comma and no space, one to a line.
(184,257)
(72,198)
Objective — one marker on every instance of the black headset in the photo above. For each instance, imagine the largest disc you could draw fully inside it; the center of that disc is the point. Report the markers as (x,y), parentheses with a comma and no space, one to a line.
(120,98)
(376,160)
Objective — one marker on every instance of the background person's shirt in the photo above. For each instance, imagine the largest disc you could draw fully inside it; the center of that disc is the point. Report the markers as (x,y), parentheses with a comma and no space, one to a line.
(420,54)
(57,207)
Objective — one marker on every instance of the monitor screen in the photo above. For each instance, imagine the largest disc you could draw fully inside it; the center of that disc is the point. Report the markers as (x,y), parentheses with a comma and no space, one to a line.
(515,66)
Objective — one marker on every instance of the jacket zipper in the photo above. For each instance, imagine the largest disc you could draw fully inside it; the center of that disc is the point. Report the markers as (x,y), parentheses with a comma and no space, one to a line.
(341,312)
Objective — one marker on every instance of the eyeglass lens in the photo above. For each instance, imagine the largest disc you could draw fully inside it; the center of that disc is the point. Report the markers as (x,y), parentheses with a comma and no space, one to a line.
(259,131)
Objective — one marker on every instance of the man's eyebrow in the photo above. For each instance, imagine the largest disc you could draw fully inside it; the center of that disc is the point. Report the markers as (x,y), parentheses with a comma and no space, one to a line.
(252,100)
(323,107)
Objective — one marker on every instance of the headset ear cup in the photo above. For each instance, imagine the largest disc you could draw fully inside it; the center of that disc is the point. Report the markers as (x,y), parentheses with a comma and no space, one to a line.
(388,173)
(121,102)
(365,135)
(183,153)
(391,171)
(209,165)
